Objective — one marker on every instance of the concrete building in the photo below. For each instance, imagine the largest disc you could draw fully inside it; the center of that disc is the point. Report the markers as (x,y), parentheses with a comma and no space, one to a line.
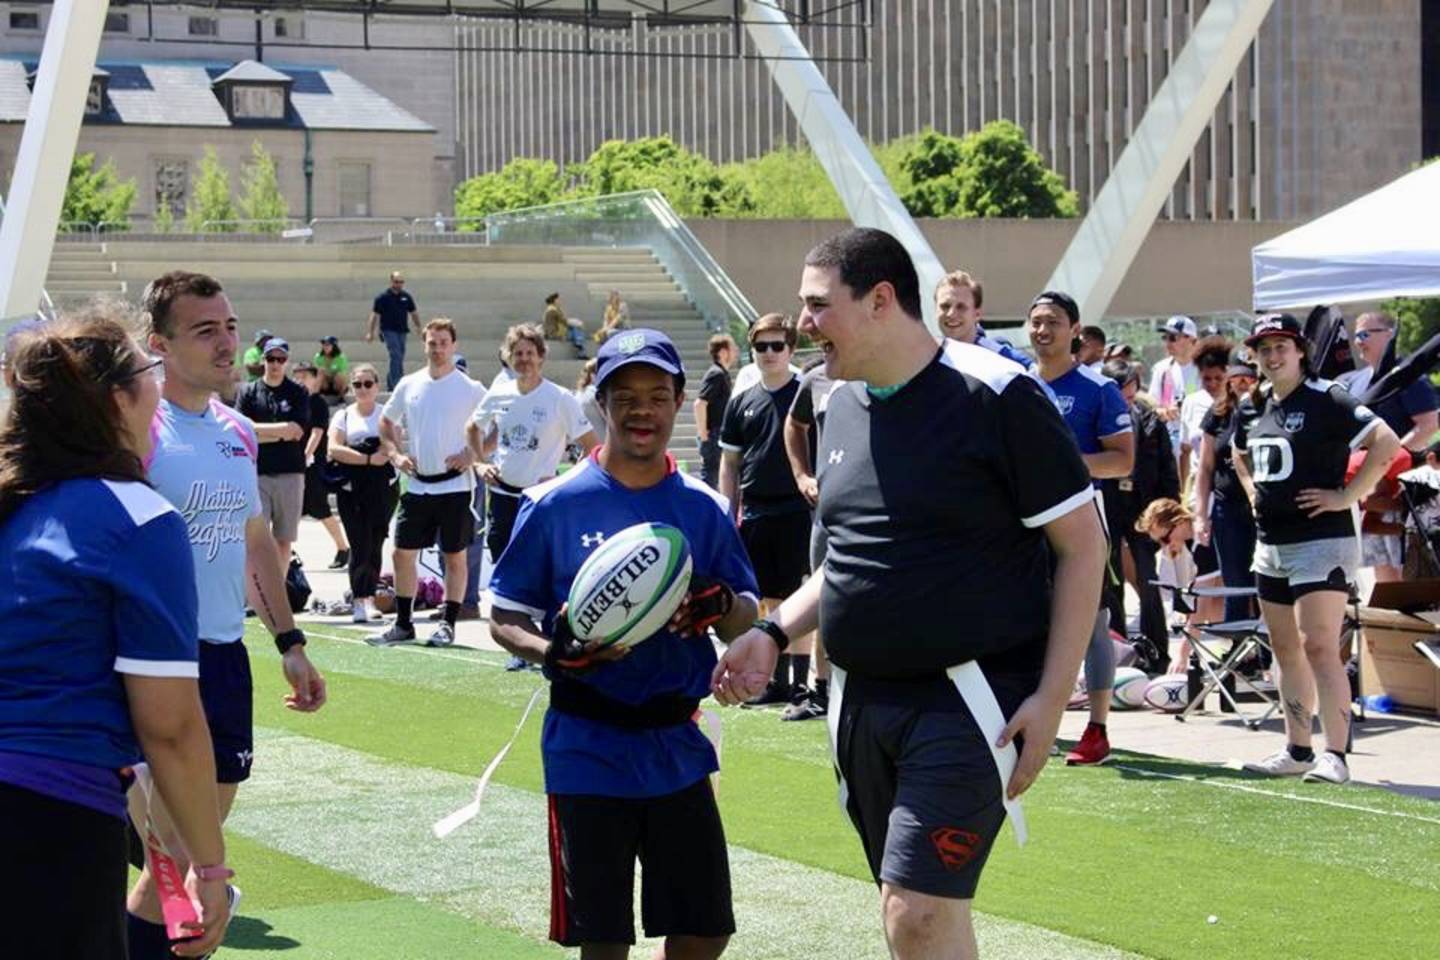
(340,148)
(1334,98)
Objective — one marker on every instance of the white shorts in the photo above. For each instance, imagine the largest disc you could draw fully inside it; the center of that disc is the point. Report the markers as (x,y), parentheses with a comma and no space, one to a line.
(1380,550)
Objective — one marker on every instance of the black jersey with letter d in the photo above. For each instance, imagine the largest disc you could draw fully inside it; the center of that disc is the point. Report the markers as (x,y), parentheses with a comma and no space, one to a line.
(1294,444)
(934,501)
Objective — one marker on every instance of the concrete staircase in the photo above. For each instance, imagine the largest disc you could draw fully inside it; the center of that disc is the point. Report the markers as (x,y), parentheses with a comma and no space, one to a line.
(79,271)
(305,292)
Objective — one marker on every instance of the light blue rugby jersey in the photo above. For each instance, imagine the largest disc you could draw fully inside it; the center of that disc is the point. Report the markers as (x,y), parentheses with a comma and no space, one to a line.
(204,464)
(559,524)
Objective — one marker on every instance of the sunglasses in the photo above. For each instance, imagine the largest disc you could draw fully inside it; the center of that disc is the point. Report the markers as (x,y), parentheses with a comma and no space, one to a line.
(1171,337)
(153,368)
(1362,335)
(276,359)
(769,346)
(367,384)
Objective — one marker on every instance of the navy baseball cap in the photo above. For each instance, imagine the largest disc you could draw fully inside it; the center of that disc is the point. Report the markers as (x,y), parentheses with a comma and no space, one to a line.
(262,335)
(332,341)
(276,343)
(641,345)
(1275,325)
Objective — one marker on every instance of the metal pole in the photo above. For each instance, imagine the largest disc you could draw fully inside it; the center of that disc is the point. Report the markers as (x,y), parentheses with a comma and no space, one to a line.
(42,166)
(868,196)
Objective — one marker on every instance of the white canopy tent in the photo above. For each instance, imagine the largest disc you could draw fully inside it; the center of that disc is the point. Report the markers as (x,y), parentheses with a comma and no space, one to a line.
(1385,244)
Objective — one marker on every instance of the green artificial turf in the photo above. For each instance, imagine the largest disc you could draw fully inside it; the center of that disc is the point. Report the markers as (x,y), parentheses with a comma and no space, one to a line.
(1127,856)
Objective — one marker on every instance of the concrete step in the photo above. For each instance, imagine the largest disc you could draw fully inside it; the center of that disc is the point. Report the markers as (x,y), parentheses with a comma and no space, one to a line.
(111,287)
(63,273)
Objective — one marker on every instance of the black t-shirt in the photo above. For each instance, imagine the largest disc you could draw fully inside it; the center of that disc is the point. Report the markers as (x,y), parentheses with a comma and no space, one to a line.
(1297,443)
(264,404)
(715,391)
(934,500)
(394,310)
(319,418)
(754,426)
(811,401)
(1224,482)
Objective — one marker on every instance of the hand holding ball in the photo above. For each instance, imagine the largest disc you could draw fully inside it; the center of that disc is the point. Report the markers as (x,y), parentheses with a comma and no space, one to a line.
(627,590)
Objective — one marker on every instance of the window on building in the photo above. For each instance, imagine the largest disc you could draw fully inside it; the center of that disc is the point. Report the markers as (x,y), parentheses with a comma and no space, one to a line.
(354,189)
(95,99)
(172,185)
(117,23)
(289,28)
(204,27)
(257,102)
(24,20)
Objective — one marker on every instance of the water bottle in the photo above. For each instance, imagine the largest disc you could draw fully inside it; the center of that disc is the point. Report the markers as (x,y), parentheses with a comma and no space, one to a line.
(1379,703)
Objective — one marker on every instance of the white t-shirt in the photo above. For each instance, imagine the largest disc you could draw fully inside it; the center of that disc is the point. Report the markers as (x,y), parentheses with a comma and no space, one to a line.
(1192,414)
(1170,384)
(354,427)
(434,414)
(532,429)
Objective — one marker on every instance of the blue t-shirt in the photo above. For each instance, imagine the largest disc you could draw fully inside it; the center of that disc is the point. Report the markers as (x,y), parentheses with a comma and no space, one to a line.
(96,580)
(1399,412)
(559,523)
(204,464)
(1005,349)
(1093,407)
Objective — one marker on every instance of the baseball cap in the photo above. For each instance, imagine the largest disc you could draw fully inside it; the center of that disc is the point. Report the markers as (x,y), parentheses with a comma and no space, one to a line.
(1056,298)
(331,341)
(305,366)
(1180,325)
(460,362)
(262,335)
(641,345)
(1275,325)
(277,343)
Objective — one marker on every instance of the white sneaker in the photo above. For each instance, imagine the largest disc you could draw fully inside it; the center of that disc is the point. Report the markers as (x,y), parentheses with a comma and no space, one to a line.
(359,613)
(1281,764)
(1329,768)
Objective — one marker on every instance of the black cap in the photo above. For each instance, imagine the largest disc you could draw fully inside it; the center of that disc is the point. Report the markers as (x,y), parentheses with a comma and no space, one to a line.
(1055,298)
(1275,325)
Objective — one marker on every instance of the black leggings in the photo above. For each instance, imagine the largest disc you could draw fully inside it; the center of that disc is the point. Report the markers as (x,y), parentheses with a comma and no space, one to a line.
(365,511)
(66,864)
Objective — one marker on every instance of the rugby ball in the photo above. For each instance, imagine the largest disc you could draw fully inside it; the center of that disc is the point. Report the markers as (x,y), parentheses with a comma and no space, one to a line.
(631,585)
(1129,689)
(1169,693)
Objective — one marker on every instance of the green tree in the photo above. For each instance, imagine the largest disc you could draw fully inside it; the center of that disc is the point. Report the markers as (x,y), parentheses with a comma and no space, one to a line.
(96,196)
(787,183)
(523,182)
(933,163)
(693,185)
(1006,177)
(164,219)
(1418,320)
(261,199)
(210,198)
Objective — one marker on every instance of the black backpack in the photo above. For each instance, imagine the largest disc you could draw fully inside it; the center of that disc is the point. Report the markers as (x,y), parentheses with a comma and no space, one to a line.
(297,586)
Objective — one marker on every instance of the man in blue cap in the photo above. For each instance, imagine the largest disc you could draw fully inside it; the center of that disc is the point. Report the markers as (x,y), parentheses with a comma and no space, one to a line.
(626,767)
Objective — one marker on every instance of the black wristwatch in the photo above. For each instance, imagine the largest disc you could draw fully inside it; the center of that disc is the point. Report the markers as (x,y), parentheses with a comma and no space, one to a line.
(290,638)
(781,638)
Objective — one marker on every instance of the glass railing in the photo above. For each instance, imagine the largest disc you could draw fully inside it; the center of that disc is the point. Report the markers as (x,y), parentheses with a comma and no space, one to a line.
(638,219)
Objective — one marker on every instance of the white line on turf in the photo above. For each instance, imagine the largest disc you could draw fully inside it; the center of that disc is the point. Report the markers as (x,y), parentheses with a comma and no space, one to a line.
(1320,801)
(423,651)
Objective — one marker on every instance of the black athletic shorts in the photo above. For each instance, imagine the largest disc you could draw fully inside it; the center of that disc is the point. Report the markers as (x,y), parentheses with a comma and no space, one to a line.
(426,517)
(779,549)
(678,839)
(316,502)
(227,693)
(920,782)
(66,863)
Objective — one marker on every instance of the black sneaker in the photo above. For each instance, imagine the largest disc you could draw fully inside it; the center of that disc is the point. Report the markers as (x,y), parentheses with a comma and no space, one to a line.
(396,634)
(341,561)
(773,695)
(813,706)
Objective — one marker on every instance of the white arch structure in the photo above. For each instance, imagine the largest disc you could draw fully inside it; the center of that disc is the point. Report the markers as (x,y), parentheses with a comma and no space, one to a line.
(1091,268)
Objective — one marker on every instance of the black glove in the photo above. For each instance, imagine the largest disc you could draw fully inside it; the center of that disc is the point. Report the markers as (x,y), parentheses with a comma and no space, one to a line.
(566,652)
(707,603)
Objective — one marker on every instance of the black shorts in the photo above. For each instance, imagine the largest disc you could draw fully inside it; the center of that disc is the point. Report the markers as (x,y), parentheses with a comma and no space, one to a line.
(67,864)
(227,693)
(500,522)
(1282,591)
(594,842)
(920,782)
(316,502)
(779,549)
(425,517)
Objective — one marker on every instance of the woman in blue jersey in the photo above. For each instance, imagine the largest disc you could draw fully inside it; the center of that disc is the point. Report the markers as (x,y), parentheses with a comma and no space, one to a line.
(98,655)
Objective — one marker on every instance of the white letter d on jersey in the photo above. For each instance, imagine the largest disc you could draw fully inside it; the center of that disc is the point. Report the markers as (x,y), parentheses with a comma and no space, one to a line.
(1273,459)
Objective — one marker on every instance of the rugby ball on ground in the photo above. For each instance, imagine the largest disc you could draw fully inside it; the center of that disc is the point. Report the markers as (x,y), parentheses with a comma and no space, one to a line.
(631,585)
(1129,689)
(1169,693)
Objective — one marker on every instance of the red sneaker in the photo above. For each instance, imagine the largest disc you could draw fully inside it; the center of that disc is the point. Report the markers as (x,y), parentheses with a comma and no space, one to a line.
(1093,748)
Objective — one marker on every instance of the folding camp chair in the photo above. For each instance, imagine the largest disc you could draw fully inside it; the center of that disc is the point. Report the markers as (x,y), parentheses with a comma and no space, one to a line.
(1219,649)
